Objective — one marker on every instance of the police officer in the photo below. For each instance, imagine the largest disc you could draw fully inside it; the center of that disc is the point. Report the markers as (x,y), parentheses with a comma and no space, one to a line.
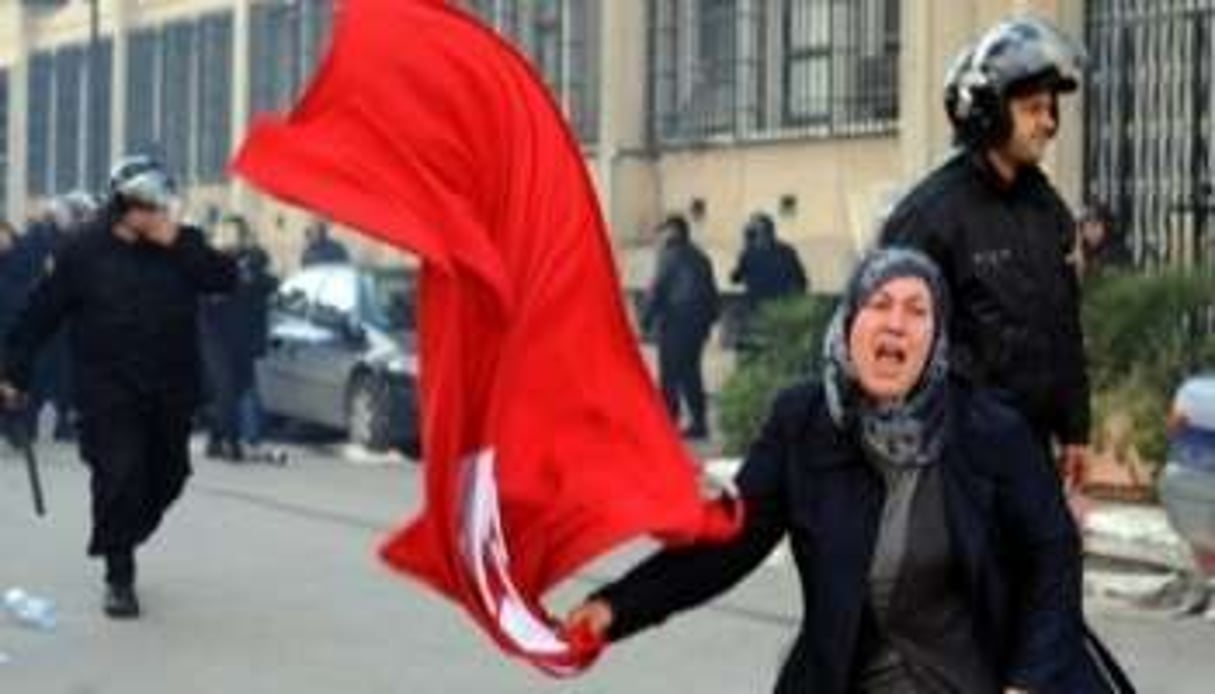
(1001,234)
(128,284)
(681,307)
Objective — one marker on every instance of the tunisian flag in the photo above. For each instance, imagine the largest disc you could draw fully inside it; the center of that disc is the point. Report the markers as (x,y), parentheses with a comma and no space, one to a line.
(546,443)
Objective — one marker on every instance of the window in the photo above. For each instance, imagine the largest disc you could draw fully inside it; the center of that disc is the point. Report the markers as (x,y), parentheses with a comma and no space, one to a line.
(177,103)
(561,37)
(693,72)
(68,120)
(68,103)
(754,69)
(213,73)
(98,77)
(38,120)
(143,84)
(287,44)
(806,77)
(179,96)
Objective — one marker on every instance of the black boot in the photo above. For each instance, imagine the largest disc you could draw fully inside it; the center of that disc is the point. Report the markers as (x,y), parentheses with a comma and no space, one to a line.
(121,602)
(120,599)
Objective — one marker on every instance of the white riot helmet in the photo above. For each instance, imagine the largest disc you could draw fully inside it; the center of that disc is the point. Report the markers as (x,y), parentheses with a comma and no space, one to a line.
(1022,54)
(141,180)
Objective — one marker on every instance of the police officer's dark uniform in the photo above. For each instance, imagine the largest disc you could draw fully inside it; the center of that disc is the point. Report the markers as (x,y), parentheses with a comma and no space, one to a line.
(1003,246)
(681,307)
(132,307)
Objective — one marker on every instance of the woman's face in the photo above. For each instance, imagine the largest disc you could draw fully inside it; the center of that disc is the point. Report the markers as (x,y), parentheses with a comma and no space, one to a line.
(891,338)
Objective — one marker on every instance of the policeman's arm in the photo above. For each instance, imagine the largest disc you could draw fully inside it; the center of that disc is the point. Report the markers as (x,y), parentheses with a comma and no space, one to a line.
(53,298)
(1076,416)
(800,281)
(655,300)
(211,271)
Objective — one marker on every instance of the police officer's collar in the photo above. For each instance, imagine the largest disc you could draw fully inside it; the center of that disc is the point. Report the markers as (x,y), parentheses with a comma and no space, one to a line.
(979,161)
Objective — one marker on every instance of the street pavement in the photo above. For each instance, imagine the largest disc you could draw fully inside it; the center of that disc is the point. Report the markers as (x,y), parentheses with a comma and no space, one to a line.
(264,580)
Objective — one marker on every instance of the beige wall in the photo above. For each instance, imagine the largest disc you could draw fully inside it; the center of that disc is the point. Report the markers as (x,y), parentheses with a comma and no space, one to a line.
(839,185)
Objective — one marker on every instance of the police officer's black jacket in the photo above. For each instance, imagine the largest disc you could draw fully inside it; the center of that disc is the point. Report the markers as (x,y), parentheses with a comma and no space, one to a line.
(1003,250)
(132,310)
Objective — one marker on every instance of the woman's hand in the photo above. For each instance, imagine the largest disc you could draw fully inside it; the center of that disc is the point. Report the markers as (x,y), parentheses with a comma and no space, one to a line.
(594,616)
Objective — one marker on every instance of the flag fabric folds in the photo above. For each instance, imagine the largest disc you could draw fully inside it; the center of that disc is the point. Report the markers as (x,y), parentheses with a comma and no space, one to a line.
(545,441)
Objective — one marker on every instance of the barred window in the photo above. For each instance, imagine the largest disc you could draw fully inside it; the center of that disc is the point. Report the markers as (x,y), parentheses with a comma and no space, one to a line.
(806,73)
(752,69)
(98,103)
(287,43)
(179,95)
(214,142)
(38,120)
(65,135)
(68,102)
(143,85)
(693,68)
(177,103)
(1150,112)
(561,37)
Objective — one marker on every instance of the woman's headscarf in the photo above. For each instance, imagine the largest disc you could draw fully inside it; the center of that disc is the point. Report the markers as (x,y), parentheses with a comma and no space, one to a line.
(911,431)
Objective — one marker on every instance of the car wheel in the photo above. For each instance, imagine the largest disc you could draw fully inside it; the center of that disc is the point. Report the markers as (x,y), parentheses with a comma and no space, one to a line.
(368,422)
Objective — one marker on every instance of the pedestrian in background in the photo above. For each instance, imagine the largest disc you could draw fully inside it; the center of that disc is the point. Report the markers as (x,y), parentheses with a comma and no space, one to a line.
(681,307)
(320,248)
(769,269)
(1103,246)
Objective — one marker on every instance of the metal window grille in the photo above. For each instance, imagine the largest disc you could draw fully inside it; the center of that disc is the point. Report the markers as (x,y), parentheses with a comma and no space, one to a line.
(561,38)
(144,82)
(214,141)
(69,100)
(287,43)
(178,102)
(39,133)
(757,69)
(179,95)
(96,124)
(1149,123)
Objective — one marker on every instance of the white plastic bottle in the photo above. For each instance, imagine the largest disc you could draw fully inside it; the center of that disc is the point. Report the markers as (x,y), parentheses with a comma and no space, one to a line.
(30,610)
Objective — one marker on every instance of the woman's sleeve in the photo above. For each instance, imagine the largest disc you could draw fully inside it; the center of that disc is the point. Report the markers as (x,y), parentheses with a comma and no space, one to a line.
(677,579)
(1043,548)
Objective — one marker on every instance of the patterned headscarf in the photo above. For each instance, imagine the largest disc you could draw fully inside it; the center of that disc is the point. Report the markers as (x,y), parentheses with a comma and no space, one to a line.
(912,430)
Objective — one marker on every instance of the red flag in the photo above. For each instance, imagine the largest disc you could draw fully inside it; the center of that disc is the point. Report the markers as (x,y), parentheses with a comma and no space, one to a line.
(546,443)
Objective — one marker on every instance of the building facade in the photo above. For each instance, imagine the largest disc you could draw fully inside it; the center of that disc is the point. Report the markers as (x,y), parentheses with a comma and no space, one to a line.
(820,112)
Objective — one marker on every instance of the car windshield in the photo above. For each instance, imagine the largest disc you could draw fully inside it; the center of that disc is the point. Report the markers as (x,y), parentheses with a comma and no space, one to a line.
(390,299)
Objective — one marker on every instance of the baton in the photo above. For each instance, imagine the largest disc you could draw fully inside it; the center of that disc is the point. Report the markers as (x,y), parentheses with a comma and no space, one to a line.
(20,435)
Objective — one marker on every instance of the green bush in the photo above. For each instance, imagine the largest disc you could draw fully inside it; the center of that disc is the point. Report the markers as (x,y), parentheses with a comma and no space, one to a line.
(1144,334)
(788,338)
(1151,325)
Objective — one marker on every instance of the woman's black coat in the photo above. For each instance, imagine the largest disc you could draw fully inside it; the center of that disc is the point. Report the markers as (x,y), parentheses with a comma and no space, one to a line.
(1013,537)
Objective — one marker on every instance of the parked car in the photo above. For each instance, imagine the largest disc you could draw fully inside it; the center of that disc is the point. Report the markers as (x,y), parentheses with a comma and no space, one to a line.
(342,354)
(1187,485)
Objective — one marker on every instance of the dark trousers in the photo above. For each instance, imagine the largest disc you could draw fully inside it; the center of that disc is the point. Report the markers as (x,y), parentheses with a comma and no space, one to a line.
(680,353)
(138,453)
